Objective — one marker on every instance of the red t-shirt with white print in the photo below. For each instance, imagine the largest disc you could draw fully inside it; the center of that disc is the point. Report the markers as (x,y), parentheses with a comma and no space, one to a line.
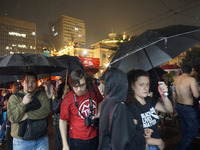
(69,112)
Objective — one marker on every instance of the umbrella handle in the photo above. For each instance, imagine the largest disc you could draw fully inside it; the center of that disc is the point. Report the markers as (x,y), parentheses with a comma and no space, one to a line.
(65,90)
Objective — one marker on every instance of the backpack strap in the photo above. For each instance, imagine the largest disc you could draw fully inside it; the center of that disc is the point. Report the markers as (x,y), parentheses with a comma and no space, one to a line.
(91,85)
(111,114)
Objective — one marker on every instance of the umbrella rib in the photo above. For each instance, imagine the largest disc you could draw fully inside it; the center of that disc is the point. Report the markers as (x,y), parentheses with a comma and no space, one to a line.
(183,33)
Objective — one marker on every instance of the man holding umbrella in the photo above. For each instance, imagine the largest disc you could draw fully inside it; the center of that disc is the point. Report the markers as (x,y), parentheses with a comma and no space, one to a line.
(18,112)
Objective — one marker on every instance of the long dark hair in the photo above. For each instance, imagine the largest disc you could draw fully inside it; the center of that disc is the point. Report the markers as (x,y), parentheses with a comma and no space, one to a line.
(133,76)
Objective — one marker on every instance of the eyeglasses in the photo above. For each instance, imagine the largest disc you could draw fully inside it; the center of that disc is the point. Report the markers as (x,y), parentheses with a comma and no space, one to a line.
(80,85)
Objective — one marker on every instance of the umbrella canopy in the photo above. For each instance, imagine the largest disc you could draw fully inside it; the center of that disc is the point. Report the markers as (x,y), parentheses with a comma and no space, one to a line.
(70,62)
(6,80)
(18,64)
(155,47)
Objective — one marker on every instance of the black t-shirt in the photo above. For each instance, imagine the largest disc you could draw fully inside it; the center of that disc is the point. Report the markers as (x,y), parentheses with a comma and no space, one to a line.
(147,115)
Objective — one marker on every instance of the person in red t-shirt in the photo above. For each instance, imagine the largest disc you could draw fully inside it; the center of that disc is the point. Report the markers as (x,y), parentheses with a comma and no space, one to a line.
(78,108)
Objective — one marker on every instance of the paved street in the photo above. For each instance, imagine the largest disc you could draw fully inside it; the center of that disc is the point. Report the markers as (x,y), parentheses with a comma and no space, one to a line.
(169,129)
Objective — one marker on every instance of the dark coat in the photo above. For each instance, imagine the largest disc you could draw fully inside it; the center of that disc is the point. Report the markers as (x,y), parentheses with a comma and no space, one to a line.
(123,134)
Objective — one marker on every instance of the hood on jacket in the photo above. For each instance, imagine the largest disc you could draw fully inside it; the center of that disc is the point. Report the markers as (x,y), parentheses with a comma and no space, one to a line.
(116,85)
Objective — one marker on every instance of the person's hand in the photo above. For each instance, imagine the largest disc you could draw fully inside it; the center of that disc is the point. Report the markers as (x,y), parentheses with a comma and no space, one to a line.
(96,116)
(162,88)
(0,127)
(147,133)
(27,99)
(65,147)
(135,121)
(63,96)
(161,144)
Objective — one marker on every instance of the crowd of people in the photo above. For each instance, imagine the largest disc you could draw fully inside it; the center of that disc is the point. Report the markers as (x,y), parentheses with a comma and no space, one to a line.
(117,114)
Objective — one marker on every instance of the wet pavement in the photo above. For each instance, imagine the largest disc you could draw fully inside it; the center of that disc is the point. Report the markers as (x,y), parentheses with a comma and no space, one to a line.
(169,129)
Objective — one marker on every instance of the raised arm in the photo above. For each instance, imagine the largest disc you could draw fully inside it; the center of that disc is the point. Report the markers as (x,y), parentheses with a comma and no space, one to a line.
(165,105)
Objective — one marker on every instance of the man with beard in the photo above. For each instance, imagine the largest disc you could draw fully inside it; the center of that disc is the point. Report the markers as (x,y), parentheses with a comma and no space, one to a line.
(17,113)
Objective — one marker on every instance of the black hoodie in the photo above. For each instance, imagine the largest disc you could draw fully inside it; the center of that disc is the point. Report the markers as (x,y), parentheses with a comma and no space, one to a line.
(123,135)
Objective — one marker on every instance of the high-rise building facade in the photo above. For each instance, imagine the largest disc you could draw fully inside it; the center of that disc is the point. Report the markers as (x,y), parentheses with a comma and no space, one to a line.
(17,36)
(66,30)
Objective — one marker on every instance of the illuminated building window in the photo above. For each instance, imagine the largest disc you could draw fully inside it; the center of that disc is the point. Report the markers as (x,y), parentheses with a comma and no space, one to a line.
(17,34)
(55,33)
(22,46)
(53,29)
(76,28)
(33,33)
(80,35)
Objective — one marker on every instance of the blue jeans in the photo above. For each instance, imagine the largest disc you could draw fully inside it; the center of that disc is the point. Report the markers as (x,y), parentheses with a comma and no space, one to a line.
(38,144)
(152,147)
(2,131)
(189,125)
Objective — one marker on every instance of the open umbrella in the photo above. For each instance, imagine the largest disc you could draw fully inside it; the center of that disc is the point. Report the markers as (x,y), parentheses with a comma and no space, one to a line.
(70,62)
(6,80)
(18,64)
(155,47)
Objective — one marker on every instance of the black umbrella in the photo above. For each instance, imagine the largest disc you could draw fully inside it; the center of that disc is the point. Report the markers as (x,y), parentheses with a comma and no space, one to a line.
(70,62)
(6,80)
(18,64)
(155,47)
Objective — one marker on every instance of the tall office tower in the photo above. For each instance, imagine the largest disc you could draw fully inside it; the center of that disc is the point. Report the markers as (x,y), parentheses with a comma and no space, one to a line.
(17,36)
(66,31)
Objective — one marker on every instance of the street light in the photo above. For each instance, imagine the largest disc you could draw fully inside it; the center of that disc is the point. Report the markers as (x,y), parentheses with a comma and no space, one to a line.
(85,52)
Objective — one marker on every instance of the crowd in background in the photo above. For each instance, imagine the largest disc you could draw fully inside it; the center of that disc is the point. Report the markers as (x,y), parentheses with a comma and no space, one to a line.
(116,88)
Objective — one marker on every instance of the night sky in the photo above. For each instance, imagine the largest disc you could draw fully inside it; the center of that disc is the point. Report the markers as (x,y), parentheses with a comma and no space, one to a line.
(104,16)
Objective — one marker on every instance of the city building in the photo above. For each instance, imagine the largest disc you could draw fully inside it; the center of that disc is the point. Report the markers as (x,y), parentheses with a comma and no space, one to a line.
(102,50)
(65,30)
(17,36)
